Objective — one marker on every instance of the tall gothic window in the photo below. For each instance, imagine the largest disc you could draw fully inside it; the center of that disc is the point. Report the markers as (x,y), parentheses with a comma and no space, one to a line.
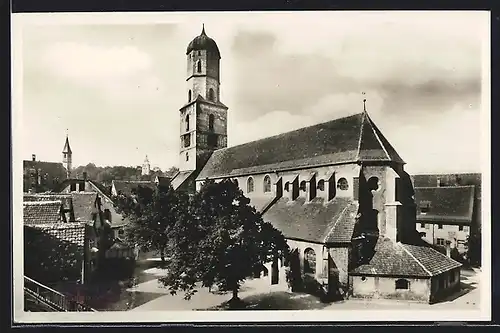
(211,95)
(189,95)
(187,123)
(309,261)
(250,184)
(211,120)
(267,184)
(198,66)
(187,140)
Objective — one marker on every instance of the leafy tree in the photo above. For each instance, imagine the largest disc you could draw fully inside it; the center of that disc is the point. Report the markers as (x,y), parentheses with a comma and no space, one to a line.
(221,240)
(152,213)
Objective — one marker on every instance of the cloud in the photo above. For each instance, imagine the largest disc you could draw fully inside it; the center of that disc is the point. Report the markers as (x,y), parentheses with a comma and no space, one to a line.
(90,64)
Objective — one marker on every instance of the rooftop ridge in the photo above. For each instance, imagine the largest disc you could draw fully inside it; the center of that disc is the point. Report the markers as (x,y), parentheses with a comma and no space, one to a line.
(445,187)
(292,131)
(41,203)
(413,257)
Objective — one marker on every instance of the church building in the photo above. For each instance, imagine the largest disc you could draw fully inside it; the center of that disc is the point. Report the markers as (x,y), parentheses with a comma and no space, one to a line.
(337,190)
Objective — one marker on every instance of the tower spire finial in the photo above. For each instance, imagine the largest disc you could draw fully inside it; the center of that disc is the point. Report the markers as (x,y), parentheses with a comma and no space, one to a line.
(364,101)
(203,29)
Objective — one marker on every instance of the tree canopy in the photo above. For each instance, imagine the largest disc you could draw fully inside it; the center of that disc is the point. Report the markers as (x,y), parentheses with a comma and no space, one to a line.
(152,213)
(220,240)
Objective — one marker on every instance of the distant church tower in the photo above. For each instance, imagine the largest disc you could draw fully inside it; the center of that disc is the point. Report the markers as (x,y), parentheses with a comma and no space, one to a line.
(203,118)
(67,158)
(146,167)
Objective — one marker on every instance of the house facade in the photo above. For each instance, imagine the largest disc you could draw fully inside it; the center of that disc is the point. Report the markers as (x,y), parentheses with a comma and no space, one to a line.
(337,191)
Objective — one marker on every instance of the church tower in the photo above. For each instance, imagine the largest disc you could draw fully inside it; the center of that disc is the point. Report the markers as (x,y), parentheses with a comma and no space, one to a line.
(203,119)
(67,158)
(146,167)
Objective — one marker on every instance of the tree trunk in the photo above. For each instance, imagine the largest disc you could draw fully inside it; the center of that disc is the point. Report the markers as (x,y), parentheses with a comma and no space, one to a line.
(162,255)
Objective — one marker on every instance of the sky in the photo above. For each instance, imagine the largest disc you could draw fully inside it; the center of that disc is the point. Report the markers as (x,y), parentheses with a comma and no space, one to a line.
(115,83)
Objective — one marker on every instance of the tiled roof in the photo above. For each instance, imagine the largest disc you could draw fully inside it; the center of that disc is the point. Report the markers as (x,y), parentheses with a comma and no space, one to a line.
(42,212)
(447,204)
(260,202)
(402,260)
(433,261)
(64,198)
(316,221)
(83,205)
(73,232)
(449,179)
(126,187)
(179,178)
(54,169)
(349,139)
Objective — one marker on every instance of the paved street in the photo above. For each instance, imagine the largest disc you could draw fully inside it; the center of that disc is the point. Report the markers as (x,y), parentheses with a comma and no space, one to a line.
(264,296)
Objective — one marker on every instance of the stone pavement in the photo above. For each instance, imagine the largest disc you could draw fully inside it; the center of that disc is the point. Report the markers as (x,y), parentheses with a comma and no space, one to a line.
(201,300)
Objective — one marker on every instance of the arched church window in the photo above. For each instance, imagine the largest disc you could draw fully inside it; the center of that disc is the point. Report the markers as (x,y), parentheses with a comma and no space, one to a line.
(198,66)
(309,261)
(211,120)
(342,184)
(189,95)
(250,184)
(402,284)
(373,183)
(287,186)
(303,186)
(187,123)
(267,184)
(321,185)
(211,95)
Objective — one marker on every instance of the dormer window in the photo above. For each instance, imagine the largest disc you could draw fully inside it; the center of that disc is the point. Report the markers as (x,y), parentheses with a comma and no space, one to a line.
(342,184)
(425,207)
(302,186)
(321,185)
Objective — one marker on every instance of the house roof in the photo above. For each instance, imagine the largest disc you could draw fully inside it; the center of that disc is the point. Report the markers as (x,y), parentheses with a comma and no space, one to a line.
(73,232)
(54,169)
(126,187)
(164,181)
(179,178)
(447,204)
(403,260)
(64,198)
(42,212)
(316,221)
(345,140)
(449,179)
(83,205)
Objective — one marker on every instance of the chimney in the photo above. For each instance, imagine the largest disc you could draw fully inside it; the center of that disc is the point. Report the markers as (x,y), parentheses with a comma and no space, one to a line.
(85,175)
(33,157)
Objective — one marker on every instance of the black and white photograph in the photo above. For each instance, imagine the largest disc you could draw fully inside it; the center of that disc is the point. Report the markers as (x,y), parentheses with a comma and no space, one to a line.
(326,166)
